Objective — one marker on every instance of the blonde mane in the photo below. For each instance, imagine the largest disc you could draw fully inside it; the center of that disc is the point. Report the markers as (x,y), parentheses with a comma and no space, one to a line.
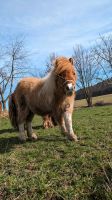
(48,87)
(61,64)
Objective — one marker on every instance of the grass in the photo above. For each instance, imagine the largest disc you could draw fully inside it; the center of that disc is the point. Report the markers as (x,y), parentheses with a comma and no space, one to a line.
(106,99)
(54,168)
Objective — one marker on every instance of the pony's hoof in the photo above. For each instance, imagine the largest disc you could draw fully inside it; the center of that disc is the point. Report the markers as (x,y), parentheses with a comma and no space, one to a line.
(33,137)
(73,138)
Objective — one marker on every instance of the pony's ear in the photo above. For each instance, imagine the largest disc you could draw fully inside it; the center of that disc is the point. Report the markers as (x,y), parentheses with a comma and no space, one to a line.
(71,60)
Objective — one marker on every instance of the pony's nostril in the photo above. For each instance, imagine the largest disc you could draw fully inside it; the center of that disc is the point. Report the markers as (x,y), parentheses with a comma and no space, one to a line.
(69,87)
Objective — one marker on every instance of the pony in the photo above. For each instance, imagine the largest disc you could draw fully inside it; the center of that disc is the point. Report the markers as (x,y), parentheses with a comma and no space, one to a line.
(51,95)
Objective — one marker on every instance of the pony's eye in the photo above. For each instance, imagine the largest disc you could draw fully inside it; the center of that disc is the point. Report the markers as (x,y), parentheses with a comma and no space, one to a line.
(73,73)
(60,75)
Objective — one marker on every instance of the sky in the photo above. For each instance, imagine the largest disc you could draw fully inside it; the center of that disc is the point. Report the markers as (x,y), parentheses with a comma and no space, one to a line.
(55,26)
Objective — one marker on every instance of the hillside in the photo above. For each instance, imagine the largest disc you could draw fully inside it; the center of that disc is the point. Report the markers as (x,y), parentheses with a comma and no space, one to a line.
(99,100)
(101,88)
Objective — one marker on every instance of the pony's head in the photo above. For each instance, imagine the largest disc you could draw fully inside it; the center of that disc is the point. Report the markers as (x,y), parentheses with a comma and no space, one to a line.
(65,75)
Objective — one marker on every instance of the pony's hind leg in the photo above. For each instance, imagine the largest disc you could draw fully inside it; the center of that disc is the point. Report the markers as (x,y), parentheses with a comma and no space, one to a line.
(62,125)
(21,135)
(47,122)
(30,134)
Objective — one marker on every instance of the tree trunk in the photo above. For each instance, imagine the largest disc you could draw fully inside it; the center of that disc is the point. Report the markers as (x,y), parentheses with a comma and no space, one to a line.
(89,101)
(3,101)
(4,105)
(88,96)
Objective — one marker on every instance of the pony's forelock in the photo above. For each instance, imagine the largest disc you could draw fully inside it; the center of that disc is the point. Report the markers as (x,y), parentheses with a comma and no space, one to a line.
(61,64)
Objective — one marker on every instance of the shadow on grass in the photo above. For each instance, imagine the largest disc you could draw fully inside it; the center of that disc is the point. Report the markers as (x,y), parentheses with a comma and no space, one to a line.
(12,130)
(37,127)
(8,144)
(8,130)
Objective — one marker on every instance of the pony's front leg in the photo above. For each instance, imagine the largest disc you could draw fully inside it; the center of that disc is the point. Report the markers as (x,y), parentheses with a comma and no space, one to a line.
(30,134)
(61,123)
(21,136)
(68,123)
(62,126)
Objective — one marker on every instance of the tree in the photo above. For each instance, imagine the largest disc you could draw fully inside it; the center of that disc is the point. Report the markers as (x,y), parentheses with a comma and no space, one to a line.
(50,62)
(86,71)
(103,54)
(48,66)
(13,65)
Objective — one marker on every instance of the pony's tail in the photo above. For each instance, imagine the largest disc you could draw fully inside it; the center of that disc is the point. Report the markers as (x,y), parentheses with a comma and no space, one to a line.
(13,111)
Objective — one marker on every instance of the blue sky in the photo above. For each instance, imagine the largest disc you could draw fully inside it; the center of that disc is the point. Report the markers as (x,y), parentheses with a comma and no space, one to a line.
(55,26)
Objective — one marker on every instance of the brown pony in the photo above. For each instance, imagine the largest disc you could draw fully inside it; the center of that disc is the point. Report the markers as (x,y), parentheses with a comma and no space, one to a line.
(52,95)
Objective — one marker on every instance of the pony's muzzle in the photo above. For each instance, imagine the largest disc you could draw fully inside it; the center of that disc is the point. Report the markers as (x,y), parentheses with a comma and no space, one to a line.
(69,89)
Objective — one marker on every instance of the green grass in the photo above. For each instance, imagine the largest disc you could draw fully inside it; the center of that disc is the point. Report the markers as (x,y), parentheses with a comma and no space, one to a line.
(54,168)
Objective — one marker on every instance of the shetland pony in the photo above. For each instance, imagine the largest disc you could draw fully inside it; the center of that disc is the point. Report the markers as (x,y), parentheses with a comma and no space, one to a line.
(52,95)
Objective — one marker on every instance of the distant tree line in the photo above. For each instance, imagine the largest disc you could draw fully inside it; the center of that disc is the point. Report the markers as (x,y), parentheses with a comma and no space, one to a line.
(101,88)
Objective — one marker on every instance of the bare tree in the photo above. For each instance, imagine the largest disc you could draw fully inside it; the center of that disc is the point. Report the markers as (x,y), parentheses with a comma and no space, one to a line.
(49,62)
(103,54)
(86,70)
(13,65)
(37,72)
(3,86)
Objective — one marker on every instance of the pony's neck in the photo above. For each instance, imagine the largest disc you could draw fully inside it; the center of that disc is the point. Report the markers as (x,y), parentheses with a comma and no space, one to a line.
(49,84)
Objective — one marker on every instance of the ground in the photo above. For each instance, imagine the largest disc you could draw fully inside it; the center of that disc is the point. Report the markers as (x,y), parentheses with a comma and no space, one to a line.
(53,168)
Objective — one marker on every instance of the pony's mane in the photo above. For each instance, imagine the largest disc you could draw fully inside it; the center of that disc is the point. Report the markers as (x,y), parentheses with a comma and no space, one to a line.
(48,84)
(61,64)
(49,80)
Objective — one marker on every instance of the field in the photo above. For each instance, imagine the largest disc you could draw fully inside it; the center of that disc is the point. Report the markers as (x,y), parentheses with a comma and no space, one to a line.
(53,168)
(104,99)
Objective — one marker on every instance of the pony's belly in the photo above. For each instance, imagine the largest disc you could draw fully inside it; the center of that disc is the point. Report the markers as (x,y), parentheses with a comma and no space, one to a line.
(41,111)
(41,106)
